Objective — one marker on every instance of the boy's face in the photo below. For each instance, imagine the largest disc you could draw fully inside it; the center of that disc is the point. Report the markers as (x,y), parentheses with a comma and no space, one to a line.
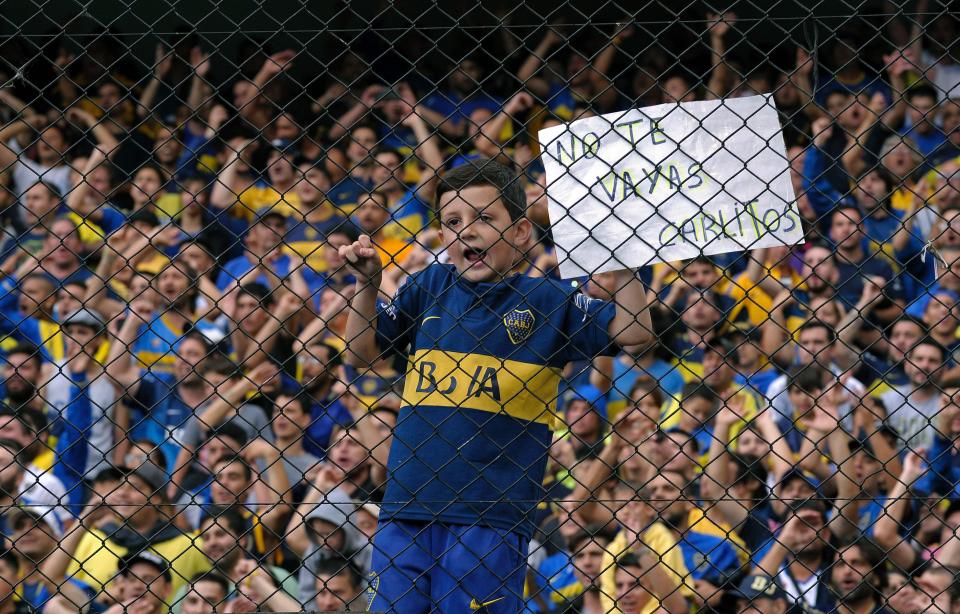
(478,234)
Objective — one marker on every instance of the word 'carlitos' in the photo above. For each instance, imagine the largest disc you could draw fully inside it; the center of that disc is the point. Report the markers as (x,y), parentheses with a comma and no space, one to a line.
(743,220)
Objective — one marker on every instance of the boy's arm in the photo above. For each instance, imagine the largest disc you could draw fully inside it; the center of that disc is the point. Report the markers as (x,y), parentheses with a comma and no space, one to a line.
(364,262)
(631,324)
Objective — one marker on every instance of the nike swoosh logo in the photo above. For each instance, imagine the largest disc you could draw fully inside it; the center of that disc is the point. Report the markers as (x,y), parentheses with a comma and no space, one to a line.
(476,606)
(429,318)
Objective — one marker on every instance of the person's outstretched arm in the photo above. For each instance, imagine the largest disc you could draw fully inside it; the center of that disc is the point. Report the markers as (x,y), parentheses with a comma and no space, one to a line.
(631,326)
(364,263)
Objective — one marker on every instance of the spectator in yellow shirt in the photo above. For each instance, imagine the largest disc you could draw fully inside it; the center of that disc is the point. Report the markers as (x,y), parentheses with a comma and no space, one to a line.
(140,503)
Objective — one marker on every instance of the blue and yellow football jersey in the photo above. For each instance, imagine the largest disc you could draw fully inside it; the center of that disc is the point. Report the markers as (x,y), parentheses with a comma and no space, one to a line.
(156,345)
(408,217)
(484,367)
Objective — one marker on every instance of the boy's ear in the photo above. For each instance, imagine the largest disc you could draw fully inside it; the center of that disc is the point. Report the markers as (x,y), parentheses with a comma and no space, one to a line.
(523,232)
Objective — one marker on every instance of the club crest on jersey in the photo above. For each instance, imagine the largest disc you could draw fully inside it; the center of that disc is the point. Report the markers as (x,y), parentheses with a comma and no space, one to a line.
(519,324)
(373,584)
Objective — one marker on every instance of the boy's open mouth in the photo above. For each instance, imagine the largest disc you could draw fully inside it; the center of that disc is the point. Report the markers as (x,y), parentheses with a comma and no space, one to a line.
(473,256)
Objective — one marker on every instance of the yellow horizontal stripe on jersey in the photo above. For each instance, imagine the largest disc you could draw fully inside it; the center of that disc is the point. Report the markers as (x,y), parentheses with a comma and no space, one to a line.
(475,381)
(162,361)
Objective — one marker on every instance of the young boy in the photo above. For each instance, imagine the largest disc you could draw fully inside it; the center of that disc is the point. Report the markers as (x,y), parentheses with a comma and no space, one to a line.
(486,348)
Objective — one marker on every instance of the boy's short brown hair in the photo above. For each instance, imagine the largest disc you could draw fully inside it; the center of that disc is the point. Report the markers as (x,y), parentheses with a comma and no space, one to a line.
(487,172)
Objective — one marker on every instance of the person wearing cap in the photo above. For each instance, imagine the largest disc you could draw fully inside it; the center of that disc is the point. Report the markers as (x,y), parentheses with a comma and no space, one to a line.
(35,531)
(760,594)
(9,572)
(147,584)
(585,415)
(83,399)
(92,555)
(798,556)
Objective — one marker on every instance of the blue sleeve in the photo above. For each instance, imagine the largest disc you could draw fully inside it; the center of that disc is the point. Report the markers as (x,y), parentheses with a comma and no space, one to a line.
(821,194)
(111,219)
(9,306)
(72,447)
(919,305)
(228,275)
(587,327)
(940,476)
(395,322)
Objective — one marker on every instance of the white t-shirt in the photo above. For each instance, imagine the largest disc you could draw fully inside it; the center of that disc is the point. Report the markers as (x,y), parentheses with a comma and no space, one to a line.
(26,172)
(912,417)
(945,77)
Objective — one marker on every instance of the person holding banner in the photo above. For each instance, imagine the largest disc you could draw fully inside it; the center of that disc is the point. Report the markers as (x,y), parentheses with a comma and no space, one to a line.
(486,347)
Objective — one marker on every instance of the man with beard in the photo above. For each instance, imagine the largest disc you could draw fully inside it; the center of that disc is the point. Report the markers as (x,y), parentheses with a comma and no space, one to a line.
(160,406)
(912,408)
(798,556)
(22,370)
(858,577)
(319,363)
(28,430)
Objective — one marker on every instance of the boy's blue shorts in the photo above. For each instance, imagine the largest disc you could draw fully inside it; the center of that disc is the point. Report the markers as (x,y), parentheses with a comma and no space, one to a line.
(421,567)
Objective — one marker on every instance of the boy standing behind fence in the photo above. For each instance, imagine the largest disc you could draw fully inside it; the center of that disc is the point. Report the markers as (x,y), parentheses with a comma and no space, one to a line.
(485,347)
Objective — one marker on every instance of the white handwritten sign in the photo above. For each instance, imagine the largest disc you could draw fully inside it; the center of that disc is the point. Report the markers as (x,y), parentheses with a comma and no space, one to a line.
(668,182)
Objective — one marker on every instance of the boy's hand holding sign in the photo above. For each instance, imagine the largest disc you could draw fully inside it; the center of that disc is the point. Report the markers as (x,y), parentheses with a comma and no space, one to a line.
(668,182)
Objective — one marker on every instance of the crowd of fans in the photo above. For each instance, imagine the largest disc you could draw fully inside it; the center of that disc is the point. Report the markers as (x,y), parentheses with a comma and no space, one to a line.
(179,429)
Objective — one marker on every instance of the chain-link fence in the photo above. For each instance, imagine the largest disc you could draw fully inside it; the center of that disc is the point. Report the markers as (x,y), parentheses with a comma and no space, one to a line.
(479,307)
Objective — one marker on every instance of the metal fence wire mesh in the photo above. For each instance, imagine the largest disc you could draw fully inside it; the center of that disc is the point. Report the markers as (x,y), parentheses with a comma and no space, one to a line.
(283,326)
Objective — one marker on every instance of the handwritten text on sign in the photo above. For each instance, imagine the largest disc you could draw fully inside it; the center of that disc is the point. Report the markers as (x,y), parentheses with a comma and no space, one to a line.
(668,182)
